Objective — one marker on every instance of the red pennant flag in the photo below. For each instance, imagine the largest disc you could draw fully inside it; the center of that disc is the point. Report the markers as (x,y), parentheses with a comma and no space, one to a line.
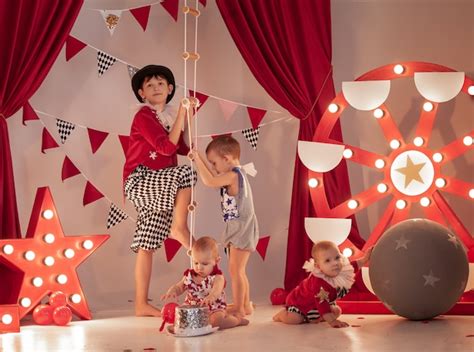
(201,97)
(73,46)
(29,113)
(203,2)
(214,136)
(171,6)
(171,248)
(48,141)
(91,194)
(262,246)
(142,14)
(96,138)
(256,116)
(69,169)
(124,140)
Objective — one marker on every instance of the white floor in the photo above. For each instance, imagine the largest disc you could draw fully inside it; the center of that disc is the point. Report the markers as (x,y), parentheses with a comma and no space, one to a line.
(115,331)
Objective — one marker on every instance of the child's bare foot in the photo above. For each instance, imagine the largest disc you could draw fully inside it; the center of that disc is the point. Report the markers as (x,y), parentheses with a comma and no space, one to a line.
(244,322)
(147,310)
(277,317)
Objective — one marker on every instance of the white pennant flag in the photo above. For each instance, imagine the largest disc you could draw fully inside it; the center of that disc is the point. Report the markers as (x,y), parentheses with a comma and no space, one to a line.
(228,108)
(111,18)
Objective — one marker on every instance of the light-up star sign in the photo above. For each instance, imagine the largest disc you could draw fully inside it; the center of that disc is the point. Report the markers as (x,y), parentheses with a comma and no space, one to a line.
(412,172)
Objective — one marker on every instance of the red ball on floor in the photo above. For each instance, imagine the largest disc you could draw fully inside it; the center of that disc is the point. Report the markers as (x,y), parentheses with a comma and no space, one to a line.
(43,314)
(278,296)
(57,299)
(62,315)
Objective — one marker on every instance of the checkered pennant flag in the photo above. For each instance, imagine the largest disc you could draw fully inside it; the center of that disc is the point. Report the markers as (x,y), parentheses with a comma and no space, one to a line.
(132,70)
(251,135)
(116,216)
(64,129)
(104,61)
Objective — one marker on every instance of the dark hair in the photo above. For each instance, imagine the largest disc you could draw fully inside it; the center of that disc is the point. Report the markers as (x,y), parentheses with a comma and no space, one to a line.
(224,145)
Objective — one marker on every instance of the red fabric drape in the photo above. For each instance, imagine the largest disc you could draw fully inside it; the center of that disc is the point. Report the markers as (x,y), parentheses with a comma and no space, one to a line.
(287,46)
(32,33)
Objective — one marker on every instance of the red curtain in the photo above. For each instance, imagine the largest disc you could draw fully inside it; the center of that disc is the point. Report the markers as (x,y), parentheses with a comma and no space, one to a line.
(287,46)
(32,33)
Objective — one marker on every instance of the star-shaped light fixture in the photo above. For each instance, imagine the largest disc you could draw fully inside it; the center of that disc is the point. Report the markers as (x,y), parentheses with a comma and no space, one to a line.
(45,260)
(411,171)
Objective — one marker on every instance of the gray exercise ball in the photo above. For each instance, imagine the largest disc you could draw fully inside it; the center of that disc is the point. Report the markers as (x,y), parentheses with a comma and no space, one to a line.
(419,269)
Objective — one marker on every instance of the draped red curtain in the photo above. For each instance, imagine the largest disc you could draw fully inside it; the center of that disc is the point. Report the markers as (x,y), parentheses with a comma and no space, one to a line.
(32,33)
(287,46)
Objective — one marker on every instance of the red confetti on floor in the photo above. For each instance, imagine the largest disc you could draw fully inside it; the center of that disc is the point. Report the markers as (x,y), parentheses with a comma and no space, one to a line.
(149,349)
(355,326)
(360,318)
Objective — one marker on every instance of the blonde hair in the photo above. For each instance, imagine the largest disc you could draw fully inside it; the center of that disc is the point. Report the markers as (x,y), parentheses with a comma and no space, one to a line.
(206,244)
(225,145)
(322,246)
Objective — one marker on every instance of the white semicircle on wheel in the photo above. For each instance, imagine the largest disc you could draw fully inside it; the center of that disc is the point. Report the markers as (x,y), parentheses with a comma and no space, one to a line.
(320,157)
(327,229)
(366,95)
(470,278)
(366,279)
(439,87)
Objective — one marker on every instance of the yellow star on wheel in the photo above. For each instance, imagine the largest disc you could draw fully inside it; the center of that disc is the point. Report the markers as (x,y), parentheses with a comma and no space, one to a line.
(322,295)
(411,171)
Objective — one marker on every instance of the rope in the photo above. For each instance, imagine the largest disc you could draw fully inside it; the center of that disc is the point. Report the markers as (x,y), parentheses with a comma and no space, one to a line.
(319,94)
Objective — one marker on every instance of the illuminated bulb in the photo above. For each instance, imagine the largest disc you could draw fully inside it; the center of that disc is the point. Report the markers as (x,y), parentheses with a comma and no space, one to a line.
(440,182)
(379,163)
(470,90)
(425,201)
(30,255)
(37,282)
(427,106)
(347,153)
(333,108)
(25,302)
(382,187)
(437,157)
(394,143)
(75,298)
(401,204)
(69,253)
(48,261)
(88,244)
(352,204)
(62,279)
(8,249)
(378,113)
(418,141)
(49,238)
(48,214)
(7,319)
(467,141)
(347,252)
(471,193)
(398,69)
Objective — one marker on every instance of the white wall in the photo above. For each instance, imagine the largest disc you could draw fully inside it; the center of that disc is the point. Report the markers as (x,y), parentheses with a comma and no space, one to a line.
(365,35)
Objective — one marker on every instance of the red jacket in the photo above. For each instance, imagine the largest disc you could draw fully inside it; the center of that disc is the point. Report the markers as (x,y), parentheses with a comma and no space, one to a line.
(149,144)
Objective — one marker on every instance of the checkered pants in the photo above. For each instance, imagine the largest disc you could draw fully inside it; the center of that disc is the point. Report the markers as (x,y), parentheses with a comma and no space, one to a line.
(153,193)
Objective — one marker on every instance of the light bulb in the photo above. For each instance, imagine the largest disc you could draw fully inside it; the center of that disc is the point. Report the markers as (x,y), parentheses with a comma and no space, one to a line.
(352,204)
(48,261)
(382,187)
(75,298)
(394,143)
(440,182)
(88,244)
(347,153)
(437,157)
(37,282)
(49,238)
(62,279)
(427,106)
(25,302)
(347,252)
(48,214)
(8,249)
(7,319)
(333,108)
(29,255)
(398,69)
(401,204)
(467,141)
(471,193)
(425,201)
(378,113)
(418,141)
(470,90)
(379,163)
(69,253)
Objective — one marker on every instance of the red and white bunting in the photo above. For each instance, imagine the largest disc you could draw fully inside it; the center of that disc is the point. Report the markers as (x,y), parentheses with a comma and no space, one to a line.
(131,70)
(251,136)
(73,46)
(91,194)
(141,14)
(203,2)
(28,113)
(64,129)
(200,96)
(228,108)
(104,62)
(262,246)
(47,141)
(172,7)
(69,169)
(111,19)
(116,216)
(256,116)
(124,142)
(171,248)
(96,138)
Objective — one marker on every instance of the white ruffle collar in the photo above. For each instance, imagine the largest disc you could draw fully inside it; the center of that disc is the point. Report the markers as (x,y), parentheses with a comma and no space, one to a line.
(345,279)
(167,117)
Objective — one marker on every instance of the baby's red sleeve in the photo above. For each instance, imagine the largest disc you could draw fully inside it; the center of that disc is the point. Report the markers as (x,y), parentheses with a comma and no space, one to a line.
(151,130)
(321,297)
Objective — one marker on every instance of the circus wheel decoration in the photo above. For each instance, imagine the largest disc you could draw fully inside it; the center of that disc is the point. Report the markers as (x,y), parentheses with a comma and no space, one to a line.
(410,173)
